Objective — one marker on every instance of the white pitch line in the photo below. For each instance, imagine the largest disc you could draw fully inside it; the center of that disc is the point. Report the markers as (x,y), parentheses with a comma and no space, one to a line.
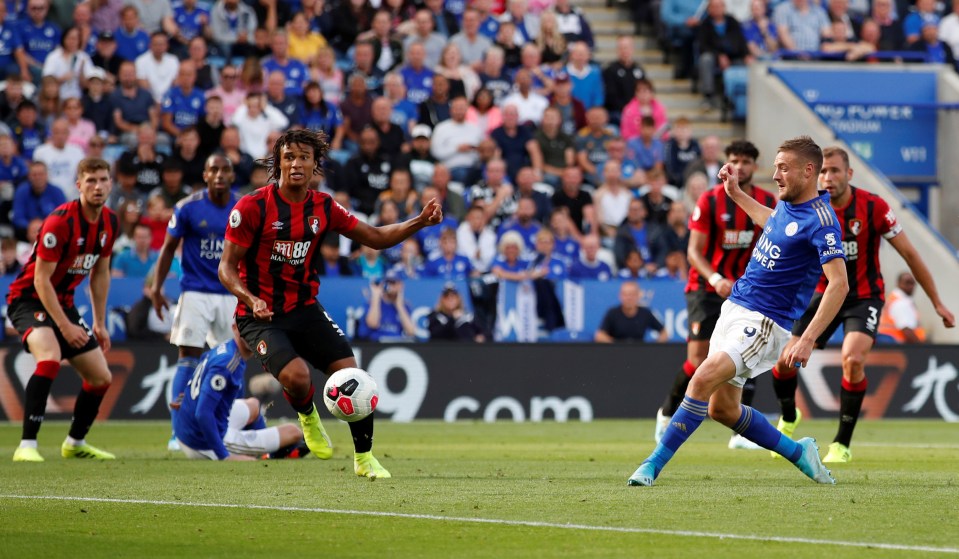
(500,522)
(910,445)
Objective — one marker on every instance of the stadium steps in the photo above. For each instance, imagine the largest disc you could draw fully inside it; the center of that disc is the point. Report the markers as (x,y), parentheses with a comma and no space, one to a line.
(608,23)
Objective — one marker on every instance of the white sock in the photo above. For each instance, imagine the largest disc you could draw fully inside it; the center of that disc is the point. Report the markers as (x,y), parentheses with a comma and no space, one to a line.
(75,442)
(26,443)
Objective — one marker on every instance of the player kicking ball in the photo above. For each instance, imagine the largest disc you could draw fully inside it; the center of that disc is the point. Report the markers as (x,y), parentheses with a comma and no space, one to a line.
(800,238)
(75,241)
(212,423)
(865,219)
(271,260)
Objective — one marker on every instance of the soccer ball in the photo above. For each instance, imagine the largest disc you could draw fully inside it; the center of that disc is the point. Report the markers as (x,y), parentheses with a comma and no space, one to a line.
(350,394)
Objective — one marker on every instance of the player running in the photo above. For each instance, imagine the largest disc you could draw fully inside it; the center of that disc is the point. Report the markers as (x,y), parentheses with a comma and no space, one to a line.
(75,241)
(204,314)
(800,237)
(270,262)
(721,238)
(864,219)
(213,423)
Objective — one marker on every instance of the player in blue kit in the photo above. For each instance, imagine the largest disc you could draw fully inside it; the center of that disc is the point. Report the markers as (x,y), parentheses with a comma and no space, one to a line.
(204,313)
(801,236)
(216,423)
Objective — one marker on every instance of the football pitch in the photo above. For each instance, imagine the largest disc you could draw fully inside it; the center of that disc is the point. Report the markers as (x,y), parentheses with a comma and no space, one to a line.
(472,489)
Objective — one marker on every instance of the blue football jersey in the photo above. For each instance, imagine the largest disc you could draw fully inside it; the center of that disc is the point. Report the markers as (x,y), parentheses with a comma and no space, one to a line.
(39,41)
(459,268)
(295,72)
(419,85)
(787,260)
(201,225)
(186,107)
(190,23)
(201,421)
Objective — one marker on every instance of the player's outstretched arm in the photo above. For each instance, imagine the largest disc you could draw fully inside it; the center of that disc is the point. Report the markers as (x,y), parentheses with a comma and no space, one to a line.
(99,287)
(164,261)
(756,211)
(387,236)
(230,278)
(918,267)
(835,270)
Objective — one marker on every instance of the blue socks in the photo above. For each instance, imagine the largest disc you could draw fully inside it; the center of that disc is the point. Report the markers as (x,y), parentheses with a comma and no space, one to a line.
(184,372)
(258,423)
(684,422)
(754,426)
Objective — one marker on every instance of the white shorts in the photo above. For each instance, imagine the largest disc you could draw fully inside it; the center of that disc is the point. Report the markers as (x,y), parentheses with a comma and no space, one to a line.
(753,341)
(238,441)
(202,318)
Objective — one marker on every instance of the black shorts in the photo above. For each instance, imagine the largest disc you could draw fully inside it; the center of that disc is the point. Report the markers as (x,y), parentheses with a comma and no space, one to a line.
(702,312)
(306,332)
(855,315)
(27,313)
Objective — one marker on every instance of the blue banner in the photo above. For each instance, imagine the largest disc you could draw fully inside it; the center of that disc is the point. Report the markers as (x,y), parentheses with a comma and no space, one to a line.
(584,304)
(888,117)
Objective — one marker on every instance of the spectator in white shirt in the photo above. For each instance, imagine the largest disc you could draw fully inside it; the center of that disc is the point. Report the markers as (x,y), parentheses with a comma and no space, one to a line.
(61,158)
(949,28)
(157,68)
(255,120)
(529,103)
(69,64)
(476,240)
(454,140)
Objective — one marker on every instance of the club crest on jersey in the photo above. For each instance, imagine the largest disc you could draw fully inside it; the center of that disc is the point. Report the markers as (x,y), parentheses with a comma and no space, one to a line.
(695,327)
(314,224)
(103,239)
(855,226)
(261,347)
(40,316)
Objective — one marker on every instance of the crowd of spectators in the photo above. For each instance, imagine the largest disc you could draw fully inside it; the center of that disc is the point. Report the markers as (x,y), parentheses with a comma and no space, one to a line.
(715,39)
(498,110)
(548,165)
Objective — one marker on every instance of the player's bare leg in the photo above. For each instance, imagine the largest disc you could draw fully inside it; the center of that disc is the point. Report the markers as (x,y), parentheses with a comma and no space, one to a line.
(298,391)
(43,344)
(93,369)
(855,350)
(364,463)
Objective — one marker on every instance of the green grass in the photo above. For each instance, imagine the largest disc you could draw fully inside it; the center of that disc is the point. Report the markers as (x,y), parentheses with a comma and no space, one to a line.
(902,489)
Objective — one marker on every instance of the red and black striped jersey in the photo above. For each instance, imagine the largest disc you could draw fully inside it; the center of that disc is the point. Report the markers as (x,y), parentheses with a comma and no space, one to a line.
(730,234)
(283,240)
(864,221)
(75,244)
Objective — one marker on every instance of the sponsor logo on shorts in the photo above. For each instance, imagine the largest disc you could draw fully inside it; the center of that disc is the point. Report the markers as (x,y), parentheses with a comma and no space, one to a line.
(40,316)
(261,347)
